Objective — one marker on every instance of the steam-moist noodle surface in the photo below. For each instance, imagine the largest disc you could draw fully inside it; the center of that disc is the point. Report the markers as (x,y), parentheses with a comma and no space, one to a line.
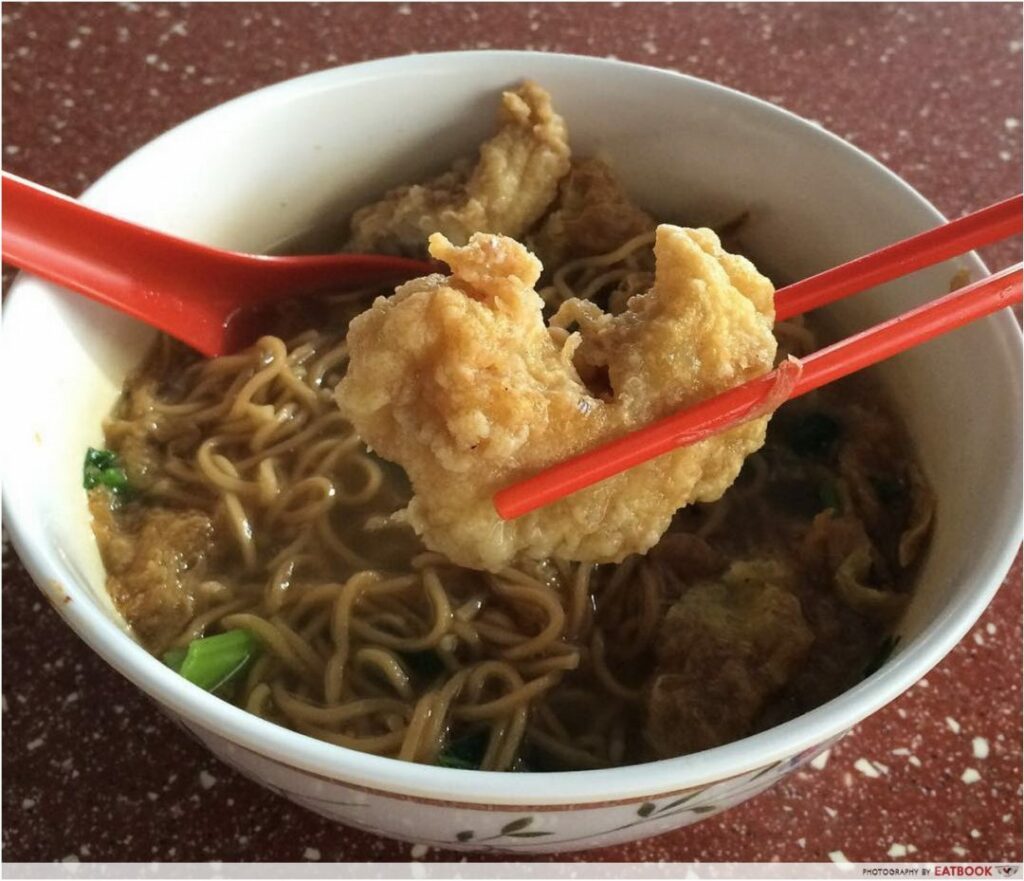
(255,506)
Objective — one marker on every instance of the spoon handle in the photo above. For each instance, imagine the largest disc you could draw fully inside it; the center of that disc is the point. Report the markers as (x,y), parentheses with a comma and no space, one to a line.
(139,271)
(206,297)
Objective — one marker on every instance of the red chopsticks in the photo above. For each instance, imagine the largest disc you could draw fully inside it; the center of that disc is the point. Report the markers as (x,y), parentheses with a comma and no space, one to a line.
(833,362)
(894,261)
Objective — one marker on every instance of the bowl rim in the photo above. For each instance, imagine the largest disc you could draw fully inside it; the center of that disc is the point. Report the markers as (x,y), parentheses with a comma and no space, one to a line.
(475,788)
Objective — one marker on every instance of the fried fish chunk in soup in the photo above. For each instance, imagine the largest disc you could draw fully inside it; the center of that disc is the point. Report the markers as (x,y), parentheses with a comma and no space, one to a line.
(513,183)
(724,649)
(155,558)
(461,382)
(594,215)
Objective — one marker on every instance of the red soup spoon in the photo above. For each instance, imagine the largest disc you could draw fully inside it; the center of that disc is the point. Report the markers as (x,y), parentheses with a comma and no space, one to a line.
(206,297)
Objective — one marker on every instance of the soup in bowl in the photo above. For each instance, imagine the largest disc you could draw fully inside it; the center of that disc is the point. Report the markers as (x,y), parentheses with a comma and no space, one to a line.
(363,664)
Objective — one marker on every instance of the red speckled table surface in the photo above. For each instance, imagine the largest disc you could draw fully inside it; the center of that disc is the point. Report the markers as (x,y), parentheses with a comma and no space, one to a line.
(92,771)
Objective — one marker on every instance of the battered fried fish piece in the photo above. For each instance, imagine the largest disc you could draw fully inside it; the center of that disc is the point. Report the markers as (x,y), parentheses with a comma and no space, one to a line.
(155,558)
(513,183)
(724,649)
(594,215)
(460,381)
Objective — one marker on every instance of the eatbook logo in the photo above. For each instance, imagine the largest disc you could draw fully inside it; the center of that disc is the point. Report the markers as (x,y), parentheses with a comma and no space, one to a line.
(1007,871)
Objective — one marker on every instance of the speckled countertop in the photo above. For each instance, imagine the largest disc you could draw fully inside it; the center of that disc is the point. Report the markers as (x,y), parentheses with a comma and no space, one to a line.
(91,769)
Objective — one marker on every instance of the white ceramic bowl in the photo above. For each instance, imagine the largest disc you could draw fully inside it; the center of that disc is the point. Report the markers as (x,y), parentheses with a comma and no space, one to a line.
(253,172)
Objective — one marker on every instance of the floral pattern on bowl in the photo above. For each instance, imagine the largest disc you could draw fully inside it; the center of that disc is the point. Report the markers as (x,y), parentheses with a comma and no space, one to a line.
(511,828)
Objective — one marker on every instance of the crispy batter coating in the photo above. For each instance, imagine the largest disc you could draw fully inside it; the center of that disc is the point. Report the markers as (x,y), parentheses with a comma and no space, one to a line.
(460,381)
(594,215)
(513,183)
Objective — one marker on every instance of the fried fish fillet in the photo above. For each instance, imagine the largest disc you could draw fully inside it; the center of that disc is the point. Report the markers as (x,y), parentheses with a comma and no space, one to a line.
(513,183)
(460,381)
(725,648)
(593,215)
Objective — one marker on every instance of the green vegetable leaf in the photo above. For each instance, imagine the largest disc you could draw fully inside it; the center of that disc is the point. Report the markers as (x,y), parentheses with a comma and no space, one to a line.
(465,752)
(103,468)
(100,458)
(646,809)
(448,760)
(213,662)
(174,658)
(813,434)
